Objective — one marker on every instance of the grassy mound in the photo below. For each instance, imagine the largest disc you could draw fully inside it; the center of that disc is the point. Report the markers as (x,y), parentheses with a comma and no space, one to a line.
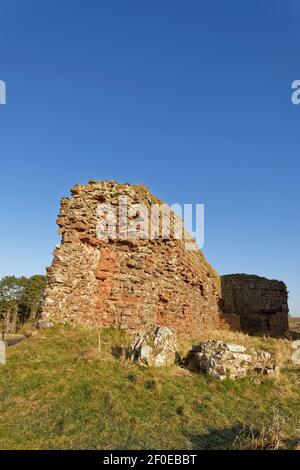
(58,391)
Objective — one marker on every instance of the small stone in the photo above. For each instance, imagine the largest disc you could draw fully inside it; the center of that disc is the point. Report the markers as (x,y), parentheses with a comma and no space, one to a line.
(256,381)
(30,333)
(134,264)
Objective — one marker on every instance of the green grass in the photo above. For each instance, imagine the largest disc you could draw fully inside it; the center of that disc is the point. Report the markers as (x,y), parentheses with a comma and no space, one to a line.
(58,392)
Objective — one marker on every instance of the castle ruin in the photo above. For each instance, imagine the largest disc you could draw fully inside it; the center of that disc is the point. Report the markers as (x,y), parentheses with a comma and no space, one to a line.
(126,283)
(132,283)
(257,304)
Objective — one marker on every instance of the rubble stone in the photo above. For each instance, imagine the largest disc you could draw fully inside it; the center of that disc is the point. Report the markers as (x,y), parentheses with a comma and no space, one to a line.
(223,360)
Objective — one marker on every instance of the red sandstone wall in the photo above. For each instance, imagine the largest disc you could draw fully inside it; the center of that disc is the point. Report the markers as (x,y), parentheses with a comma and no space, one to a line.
(126,283)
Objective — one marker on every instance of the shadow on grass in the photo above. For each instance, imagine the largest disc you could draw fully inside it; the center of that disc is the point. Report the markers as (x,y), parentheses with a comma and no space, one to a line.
(215,439)
(239,437)
(118,351)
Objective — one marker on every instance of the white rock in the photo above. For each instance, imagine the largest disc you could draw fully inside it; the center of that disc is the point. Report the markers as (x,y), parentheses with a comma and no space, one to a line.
(156,347)
(236,348)
(244,358)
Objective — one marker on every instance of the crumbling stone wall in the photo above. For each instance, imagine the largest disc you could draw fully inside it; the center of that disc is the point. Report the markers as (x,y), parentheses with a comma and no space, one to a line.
(126,283)
(260,303)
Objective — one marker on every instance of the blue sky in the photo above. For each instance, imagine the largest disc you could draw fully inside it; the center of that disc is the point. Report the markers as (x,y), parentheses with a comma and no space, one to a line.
(191,98)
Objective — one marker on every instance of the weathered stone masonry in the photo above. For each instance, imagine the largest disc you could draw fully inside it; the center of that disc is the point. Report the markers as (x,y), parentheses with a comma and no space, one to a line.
(260,304)
(133,284)
(129,284)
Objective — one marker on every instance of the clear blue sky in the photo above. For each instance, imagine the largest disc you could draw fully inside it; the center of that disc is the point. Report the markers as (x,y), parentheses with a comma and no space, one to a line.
(191,98)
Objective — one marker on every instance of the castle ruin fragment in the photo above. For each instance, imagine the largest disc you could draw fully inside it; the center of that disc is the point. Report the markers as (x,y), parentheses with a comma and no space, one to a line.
(133,283)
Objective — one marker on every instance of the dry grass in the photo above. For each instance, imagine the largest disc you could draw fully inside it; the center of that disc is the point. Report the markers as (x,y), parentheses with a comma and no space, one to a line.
(294,324)
(272,437)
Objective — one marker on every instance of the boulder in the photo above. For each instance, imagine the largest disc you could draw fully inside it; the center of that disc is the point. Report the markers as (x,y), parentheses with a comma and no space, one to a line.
(157,347)
(223,360)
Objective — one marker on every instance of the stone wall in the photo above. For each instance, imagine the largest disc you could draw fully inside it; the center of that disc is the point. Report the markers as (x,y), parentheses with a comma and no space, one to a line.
(261,304)
(127,283)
